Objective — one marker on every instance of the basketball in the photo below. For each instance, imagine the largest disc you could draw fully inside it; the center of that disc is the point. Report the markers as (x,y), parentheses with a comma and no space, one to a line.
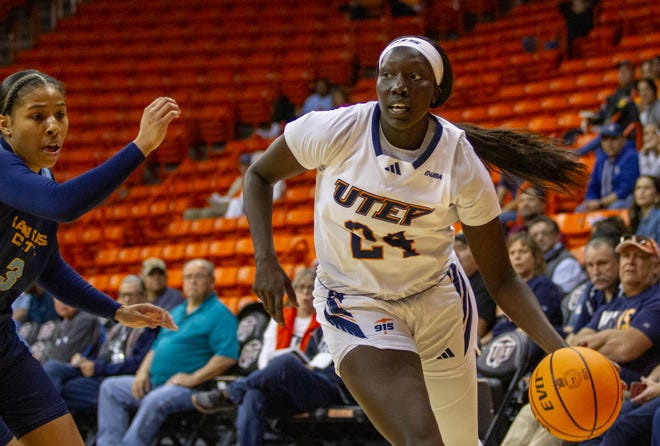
(575,393)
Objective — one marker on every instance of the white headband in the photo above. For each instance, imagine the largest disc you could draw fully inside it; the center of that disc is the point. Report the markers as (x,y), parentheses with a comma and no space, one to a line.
(426,49)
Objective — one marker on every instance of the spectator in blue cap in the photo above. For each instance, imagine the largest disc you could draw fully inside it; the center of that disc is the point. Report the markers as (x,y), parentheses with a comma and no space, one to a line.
(613,177)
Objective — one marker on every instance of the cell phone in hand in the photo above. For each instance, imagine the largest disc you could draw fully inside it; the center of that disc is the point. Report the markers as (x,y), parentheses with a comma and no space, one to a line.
(636,388)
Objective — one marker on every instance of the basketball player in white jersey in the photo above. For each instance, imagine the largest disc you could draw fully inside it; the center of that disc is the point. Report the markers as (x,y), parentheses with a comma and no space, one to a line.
(396,308)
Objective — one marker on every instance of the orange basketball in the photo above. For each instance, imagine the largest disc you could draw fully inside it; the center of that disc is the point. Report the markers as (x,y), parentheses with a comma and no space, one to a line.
(575,393)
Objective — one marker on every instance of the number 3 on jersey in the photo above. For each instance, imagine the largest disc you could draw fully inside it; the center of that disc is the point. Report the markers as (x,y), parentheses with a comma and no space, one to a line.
(14,272)
(361,232)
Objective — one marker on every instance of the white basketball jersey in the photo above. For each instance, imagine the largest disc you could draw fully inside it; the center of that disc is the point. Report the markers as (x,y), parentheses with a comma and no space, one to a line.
(383,225)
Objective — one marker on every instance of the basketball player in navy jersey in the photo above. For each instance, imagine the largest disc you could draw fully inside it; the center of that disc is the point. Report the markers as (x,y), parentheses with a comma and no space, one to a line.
(33,126)
(395,306)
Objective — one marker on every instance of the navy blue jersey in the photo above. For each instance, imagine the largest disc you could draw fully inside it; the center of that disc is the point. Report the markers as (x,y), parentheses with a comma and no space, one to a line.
(641,312)
(31,206)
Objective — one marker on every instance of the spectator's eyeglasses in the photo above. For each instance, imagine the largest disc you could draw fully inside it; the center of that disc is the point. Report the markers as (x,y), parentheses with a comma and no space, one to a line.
(641,240)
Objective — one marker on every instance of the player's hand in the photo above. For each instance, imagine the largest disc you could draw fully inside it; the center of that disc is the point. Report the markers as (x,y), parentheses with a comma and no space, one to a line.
(155,120)
(144,315)
(271,283)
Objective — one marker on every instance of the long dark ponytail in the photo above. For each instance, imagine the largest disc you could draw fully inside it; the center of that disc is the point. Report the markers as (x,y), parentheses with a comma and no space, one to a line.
(529,156)
(522,154)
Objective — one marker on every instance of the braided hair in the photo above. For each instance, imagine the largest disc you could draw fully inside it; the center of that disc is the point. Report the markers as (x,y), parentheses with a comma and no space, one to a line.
(21,82)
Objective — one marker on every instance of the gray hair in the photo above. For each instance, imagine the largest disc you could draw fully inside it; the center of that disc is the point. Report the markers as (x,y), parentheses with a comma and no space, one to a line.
(133,278)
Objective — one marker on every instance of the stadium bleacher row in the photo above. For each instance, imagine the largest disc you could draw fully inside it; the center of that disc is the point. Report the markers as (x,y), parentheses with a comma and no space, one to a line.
(226,64)
(226,70)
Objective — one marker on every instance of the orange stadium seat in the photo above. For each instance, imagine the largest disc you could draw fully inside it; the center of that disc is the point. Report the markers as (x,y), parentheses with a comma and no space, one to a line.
(293,196)
(148,251)
(501,110)
(475,114)
(174,277)
(225,280)
(129,257)
(174,254)
(100,282)
(159,208)
(231,303)
(301,220)
(589,80)
(178,229)
(512,92)
(242,225)
(543,124)
(562,84)
(538,88)
(569,120)
(245,278)
(110,85)
(583,100)
(91,235)
(201,228)
(197,250)
(574,227)
(555,104)
(222,251)
(113,235)
(113,283)
(527,106)
(107,259)
(222,225)
(573,66)
(514,123)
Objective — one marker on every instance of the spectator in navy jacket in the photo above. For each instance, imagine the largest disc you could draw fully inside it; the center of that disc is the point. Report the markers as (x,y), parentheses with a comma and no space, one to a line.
(121,354)
(613,177)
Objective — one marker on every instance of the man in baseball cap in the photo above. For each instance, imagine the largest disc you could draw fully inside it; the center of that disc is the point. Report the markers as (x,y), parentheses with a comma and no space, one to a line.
(612,130)
(612,181)
(154,274)
(643,243)
(153,263)
(626,329)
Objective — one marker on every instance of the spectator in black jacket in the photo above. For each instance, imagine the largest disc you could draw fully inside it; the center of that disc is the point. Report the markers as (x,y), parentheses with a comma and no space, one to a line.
(579,17)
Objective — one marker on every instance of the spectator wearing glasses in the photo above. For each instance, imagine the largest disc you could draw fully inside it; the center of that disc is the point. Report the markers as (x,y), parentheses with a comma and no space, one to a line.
(178,364)
(626,330)
(124,348)
(299,322)
(154,275)
(561,266)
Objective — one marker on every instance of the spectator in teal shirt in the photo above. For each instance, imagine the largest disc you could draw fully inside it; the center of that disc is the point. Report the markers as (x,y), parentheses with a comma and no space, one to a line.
(178,364)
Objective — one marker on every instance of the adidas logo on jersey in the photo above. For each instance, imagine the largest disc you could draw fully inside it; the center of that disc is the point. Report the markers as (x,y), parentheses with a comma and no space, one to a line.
(446,354)
(394,168)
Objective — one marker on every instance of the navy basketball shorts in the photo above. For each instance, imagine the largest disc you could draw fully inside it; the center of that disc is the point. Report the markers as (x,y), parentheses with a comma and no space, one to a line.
(439,324)
(28,400)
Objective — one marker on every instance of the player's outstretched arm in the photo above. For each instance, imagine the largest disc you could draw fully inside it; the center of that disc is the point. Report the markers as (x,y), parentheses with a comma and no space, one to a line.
(509,291)
(155,120)
(144,315)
